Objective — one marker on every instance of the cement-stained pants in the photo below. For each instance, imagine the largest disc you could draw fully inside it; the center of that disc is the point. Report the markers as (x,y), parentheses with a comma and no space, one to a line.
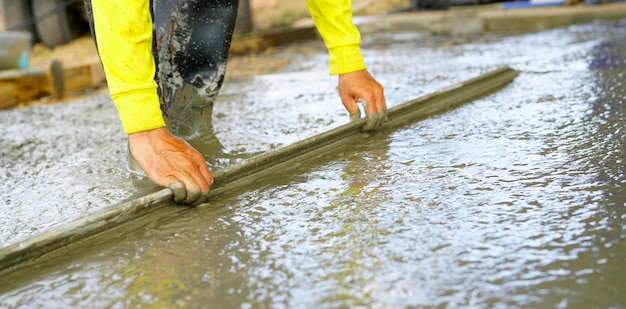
(191,46)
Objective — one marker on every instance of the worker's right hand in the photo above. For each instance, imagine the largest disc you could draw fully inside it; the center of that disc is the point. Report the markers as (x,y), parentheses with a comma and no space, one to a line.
(171,162)
(361,87)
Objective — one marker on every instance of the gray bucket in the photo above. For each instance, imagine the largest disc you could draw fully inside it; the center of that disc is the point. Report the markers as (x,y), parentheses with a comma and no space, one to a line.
(14,49)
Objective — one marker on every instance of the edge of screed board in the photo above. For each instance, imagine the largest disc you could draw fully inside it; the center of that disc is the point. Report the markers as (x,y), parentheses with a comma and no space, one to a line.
(12,256)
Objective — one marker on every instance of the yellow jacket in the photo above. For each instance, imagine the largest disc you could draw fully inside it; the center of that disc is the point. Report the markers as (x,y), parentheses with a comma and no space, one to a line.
(124,38)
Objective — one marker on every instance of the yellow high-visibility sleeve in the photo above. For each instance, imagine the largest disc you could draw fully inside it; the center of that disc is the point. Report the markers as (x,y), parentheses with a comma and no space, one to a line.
(333,19)
(124,37)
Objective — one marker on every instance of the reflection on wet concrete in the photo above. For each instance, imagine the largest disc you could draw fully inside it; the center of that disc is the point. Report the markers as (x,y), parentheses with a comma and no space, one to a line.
(514,200)
(609,67)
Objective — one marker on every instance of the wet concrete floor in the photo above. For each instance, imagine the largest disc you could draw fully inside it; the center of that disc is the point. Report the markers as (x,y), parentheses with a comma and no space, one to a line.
(513,200)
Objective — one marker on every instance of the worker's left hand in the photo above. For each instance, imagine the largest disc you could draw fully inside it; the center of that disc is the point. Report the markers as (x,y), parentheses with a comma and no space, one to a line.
(361,87)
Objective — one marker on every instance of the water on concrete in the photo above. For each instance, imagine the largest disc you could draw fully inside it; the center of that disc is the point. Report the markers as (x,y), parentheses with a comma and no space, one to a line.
(512,201)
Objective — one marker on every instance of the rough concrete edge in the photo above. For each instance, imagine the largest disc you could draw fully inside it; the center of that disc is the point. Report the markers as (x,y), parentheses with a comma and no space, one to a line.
(30,249)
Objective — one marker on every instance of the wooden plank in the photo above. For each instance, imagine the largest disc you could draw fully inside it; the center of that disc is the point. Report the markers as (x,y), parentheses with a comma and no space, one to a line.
(23,85)
(83,75)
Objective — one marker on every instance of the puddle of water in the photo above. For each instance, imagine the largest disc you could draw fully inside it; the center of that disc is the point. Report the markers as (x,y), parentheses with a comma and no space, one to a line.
(514,200)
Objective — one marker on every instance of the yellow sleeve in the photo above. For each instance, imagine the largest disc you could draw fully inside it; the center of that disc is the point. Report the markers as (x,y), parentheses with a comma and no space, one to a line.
(124,37)
(333,19)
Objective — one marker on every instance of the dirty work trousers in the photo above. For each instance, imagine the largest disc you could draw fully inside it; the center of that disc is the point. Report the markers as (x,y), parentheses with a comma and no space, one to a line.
(190,47)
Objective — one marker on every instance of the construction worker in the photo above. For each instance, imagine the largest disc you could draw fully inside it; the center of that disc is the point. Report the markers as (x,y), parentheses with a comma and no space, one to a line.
(165,62)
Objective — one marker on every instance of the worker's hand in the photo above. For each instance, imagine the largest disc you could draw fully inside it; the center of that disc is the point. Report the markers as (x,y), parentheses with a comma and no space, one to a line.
(361,87)
(170,162)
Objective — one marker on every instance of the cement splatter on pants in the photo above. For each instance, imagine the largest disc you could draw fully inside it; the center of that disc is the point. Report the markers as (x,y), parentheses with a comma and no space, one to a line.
(190,47)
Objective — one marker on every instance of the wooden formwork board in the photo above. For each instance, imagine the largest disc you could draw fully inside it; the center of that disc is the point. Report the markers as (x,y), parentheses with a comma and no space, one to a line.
(23,85)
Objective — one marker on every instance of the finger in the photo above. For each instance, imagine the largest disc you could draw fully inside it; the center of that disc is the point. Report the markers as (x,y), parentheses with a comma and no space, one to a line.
(372,122)
(207,180)
(373,118)
(201,199)
(383,114)
(192,196)
(380,104)
(351,106)
(356,116)
(379,119)
(193,191)
(180,194)
(191,188)
(379,98)
(207,176)
(199,171)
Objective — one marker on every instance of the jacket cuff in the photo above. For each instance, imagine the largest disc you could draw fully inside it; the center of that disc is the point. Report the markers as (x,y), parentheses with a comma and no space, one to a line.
(345,59)
(139,111)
